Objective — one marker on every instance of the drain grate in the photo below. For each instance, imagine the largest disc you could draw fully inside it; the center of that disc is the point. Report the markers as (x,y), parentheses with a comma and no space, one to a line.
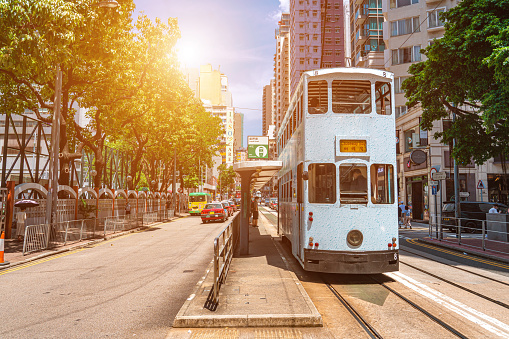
(188,271)
(224,333)
(278,334)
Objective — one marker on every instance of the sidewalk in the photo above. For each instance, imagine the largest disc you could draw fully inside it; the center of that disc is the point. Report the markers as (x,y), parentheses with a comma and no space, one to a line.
(495,250)
(260,291)
(14,249)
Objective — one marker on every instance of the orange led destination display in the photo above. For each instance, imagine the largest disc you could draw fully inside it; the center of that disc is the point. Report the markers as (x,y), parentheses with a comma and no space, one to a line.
(352,146)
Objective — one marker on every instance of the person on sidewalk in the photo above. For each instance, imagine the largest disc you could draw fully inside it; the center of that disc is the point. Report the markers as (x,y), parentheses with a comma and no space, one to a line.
(254,211)
(402,214)
(407,217)
(494,209)
(21,218)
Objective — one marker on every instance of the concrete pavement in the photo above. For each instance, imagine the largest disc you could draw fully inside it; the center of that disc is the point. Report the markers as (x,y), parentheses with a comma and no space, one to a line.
(260,291)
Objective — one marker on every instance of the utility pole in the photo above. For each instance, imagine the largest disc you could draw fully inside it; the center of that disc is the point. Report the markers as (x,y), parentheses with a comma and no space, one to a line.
(51,200)
(174,183)
(456,179)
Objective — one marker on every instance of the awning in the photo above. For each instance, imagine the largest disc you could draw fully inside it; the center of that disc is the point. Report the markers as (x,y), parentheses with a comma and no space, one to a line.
(264,170)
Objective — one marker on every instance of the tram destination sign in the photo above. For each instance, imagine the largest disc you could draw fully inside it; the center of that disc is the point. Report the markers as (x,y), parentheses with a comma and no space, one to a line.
(257,147)
(352,146)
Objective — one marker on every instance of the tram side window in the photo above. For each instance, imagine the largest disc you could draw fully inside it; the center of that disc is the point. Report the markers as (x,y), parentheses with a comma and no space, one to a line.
(318,97)
(382,184)
(383,98)
(322,183)
(353,187)
(351,96)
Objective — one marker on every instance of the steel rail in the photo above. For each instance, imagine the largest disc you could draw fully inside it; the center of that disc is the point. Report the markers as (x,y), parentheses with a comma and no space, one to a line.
(422,310)
(356,315)
(457,285)
(458,268)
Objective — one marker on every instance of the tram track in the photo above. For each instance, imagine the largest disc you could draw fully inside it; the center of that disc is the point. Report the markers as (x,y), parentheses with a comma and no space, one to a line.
(458,268)
(369,329)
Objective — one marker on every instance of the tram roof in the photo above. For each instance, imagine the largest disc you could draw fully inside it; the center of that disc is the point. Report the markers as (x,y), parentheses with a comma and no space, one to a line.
(264,170)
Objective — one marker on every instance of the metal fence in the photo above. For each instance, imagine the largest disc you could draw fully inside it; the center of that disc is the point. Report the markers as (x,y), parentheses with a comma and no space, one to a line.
(224,246)
(487,235)
(44,236)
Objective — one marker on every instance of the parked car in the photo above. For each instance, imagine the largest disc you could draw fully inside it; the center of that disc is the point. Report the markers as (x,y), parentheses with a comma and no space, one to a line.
(267,202)
(273,203)
(232,204)
(237,203)
(472,214)
(213,212)
(228,207)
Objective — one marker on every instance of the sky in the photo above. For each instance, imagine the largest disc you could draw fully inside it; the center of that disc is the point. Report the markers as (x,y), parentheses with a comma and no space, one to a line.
(234,36)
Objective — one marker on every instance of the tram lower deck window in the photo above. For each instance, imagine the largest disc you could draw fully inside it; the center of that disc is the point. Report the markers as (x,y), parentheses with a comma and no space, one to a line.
(322,183)
(353,184)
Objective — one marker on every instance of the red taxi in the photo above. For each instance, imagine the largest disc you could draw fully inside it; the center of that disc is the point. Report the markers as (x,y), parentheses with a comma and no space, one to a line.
(213,212)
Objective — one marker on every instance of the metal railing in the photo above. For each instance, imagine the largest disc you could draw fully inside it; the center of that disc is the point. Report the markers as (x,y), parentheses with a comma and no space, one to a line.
(44,236)
(491,235)
(224,246)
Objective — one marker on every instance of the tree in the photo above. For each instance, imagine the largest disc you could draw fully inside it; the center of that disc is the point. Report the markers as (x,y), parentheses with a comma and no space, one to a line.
(467,72)
(226,178)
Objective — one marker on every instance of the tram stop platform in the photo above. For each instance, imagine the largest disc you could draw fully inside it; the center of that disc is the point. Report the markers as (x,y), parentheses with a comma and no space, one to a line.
(260,291)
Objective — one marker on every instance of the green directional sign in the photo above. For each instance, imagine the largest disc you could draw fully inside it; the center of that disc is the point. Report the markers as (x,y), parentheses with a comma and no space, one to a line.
(257,147)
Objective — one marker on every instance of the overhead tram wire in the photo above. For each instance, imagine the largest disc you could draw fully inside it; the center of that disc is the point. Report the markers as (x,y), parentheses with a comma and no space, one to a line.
(409,36)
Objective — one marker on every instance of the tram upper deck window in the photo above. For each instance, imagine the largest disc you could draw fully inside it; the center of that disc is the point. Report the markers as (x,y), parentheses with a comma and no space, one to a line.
(353,185)
(382,183)
(351,96)
(383,98)
(322,183)
(318,97)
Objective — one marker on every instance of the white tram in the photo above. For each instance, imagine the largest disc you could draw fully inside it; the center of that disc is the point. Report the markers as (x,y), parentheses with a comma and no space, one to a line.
(337,187)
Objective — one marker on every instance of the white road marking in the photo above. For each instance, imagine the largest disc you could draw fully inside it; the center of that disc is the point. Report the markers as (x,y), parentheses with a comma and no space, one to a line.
(452,304)
(191,297)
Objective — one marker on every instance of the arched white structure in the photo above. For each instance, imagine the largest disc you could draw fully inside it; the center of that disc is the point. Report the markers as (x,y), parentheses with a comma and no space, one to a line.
(68,189)
(132,194)
(30,186)
(107,191)
(142,195)
(87,190)
(120,193)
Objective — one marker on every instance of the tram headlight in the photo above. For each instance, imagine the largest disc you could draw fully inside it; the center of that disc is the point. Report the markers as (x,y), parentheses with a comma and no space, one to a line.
(354,238)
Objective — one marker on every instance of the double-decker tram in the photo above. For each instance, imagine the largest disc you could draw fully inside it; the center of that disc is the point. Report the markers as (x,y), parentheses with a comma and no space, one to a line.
(337,186)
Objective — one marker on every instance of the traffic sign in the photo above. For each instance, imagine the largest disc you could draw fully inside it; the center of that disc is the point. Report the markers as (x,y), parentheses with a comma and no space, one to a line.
(433,182)
(464,194)
(480,185)
(439,175)
(258,147)
(433,190)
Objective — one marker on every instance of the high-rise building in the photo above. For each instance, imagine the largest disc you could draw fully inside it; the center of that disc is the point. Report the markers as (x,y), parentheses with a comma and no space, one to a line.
(282,70)
(238,130)
(366,33)
(266,109)
(316,37)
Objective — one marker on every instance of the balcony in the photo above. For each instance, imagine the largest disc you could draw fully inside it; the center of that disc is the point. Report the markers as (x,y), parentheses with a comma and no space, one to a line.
(361,38)
(360,16)
(359,2)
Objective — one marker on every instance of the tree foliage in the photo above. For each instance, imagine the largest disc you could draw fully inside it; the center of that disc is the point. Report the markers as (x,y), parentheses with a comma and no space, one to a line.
(226,182)
(467,72)
(123,71)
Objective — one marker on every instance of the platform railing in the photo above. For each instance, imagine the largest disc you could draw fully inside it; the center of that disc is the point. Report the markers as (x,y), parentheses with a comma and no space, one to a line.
(224,247)
(489,235)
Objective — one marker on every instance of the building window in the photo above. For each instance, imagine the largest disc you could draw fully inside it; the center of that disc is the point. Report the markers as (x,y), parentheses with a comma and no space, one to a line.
(336,5)
(434,18)
(328,18)
(315,3)
(328,52)
(401,3)
(315,49)
(315,61)
(301,13)
(301,49)
(315,25)
(327,29)
(338,41)
(301,61)
(336,17)
(301,37)
(406,54)
(315,37)
(315,13)
(400,110)
(405,26)
(328,41)
(397,84)
(328,5)
(338,52)
(338,30)
(301,25)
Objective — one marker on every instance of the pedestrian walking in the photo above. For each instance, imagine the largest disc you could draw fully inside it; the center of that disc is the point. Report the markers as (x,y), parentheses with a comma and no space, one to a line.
(407,217)
(402,214)
(254,211)
(21,218)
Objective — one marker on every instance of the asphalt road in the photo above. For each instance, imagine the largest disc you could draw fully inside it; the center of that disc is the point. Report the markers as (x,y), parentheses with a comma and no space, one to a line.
(131,286)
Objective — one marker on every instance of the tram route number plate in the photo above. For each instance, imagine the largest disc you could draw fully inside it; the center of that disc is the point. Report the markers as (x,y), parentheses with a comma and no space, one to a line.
(352,146)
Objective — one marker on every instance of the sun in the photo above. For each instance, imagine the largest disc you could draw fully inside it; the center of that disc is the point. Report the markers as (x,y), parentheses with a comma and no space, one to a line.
(187,53)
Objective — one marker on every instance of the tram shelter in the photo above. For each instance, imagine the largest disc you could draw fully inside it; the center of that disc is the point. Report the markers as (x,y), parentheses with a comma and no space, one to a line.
(253,175)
